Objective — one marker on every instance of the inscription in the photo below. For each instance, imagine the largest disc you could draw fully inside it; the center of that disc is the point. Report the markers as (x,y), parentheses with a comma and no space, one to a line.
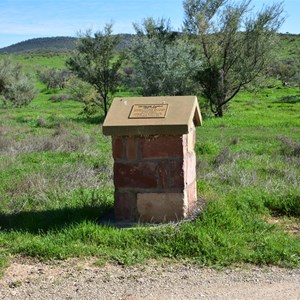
(148,111)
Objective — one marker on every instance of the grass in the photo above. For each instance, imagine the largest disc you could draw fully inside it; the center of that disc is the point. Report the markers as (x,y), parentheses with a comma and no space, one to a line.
(56,187)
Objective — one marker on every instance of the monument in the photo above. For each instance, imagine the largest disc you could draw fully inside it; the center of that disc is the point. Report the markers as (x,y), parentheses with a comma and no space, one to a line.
(153,141)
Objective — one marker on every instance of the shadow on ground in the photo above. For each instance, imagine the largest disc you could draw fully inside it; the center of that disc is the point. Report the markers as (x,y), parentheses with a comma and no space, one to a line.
(89,120)
(57,219)
(292,99)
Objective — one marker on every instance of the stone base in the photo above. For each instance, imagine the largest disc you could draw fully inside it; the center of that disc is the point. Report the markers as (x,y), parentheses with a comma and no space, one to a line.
(154,207)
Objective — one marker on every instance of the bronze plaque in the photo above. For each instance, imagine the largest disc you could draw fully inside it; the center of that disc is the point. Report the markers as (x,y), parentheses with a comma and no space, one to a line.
(148,111)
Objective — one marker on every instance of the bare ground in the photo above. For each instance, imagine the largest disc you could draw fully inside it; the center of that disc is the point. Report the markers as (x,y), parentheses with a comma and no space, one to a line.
(78,279)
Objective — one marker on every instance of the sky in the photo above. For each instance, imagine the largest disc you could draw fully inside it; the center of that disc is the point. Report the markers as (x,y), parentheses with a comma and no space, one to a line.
(25,19)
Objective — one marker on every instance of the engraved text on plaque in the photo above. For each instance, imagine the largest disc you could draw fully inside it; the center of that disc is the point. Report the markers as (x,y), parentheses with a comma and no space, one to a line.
(148,111)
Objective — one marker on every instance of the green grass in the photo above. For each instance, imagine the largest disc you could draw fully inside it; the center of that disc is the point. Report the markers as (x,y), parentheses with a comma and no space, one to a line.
(288,46)
(56,186)
(33,61)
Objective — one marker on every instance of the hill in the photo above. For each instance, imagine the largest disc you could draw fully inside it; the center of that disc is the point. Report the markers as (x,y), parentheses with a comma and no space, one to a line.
(54,44)
(37,44)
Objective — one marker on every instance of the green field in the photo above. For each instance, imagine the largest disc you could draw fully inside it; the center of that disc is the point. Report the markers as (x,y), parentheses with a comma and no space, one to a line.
(56,185)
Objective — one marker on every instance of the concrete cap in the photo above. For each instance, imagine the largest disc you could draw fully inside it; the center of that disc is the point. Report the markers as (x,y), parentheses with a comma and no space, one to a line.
(143,116)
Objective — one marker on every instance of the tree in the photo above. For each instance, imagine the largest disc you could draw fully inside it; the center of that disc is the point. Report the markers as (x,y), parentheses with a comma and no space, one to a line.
(236,45)
(16,88)
(164,62)
(95,61)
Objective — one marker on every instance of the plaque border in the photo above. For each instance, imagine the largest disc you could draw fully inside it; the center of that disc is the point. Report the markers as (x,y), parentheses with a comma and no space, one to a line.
(151,117)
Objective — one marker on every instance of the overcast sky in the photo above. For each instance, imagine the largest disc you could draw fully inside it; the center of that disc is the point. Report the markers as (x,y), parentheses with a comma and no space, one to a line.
(25,19)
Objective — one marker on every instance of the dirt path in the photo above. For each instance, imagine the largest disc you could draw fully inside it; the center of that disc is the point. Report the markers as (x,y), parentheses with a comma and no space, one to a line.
(83,280)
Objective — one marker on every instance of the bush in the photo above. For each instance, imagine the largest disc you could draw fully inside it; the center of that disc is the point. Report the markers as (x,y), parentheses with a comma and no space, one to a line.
(16,88)
(85,93)
(54,78)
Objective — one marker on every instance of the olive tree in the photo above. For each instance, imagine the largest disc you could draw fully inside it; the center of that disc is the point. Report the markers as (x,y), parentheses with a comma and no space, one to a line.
(96,62)
(236,44)
(164,62)
(16,88)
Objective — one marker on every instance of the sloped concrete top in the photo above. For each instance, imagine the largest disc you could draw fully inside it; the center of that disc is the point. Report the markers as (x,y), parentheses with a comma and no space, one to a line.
(143,116)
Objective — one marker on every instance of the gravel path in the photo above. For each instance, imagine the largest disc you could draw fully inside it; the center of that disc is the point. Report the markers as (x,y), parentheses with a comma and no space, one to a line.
(74,279)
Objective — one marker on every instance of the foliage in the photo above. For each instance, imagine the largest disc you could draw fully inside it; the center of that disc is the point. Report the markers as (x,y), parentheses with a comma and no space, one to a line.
(236,45)
(53,78)
(164,63)
(85,93)
(95,62)
(287,69)
(16,88)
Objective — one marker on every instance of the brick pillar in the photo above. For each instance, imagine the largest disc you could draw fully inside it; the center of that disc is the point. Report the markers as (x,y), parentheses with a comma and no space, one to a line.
(154,177)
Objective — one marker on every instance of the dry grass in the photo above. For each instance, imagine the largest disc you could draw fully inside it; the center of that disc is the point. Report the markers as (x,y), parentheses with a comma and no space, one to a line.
(40,189)
(60,141)
(44,185)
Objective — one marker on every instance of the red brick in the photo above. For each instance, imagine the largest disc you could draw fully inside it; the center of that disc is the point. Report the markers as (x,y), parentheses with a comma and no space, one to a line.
(163,174)
(125,206)
(161,147)
(132,148)
(135,175)
(117,147)
(176,179)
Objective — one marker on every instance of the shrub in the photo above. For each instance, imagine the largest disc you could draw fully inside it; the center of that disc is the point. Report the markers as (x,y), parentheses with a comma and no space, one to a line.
(85,93)
(16,88)
(54,78)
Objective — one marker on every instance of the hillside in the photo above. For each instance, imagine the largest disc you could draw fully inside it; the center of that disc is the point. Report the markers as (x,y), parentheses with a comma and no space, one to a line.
(54,44)
(288,45)
(37,44)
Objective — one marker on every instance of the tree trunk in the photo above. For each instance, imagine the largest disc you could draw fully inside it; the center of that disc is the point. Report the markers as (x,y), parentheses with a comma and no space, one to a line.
(219,112)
